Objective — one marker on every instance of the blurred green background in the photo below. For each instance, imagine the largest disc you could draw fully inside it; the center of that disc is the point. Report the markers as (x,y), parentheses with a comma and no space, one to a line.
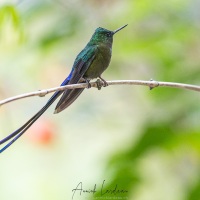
(145,142)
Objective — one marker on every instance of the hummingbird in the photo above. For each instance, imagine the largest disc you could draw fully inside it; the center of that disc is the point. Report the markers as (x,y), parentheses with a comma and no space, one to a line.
(89,64)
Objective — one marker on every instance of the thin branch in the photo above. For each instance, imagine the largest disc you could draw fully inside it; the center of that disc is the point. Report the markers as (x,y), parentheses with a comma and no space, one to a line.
(151,84)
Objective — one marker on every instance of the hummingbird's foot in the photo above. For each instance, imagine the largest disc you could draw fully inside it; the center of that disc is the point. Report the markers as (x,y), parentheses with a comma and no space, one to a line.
(99,85)
(88,84)
(105,84)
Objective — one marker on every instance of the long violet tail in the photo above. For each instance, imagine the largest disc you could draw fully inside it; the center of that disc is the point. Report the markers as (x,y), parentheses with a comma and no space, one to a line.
(20,131)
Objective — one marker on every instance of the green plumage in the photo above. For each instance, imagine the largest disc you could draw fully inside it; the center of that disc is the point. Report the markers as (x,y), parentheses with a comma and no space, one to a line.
(90,63)
(100,45)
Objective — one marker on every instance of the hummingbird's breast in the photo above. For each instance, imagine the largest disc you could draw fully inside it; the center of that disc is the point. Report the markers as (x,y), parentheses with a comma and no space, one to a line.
(100,62)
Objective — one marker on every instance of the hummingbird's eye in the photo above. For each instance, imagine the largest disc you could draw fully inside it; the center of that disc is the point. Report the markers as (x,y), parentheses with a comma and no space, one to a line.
(108,34)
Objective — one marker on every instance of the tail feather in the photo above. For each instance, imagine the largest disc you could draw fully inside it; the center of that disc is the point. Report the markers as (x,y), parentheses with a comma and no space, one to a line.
(67,99)
(19,132)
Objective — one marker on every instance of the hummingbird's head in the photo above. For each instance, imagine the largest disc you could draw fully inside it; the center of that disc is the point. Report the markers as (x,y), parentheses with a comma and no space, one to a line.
(102,35)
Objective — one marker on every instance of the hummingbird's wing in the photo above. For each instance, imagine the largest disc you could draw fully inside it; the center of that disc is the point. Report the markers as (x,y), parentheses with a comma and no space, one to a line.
(82,63)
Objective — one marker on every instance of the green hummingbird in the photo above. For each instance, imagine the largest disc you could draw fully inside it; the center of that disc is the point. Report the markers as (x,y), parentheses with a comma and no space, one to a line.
(90,63)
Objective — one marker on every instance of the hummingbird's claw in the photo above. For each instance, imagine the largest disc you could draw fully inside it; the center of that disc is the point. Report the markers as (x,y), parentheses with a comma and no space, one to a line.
(88,84)
(98,82)
(105,84)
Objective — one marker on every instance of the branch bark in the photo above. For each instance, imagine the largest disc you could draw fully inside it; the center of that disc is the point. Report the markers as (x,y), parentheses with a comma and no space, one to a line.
(151,84)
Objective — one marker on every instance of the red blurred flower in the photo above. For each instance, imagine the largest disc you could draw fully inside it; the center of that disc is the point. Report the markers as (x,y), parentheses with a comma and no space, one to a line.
(42,132)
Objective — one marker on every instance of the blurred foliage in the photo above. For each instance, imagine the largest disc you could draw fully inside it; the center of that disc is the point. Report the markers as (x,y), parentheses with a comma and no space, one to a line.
(165,33)
(145,142)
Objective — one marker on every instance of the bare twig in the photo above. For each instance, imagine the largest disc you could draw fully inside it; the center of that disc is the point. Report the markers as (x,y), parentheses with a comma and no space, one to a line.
(151,84)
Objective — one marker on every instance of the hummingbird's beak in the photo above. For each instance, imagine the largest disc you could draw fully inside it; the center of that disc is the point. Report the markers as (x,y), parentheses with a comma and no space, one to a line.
(119,29)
